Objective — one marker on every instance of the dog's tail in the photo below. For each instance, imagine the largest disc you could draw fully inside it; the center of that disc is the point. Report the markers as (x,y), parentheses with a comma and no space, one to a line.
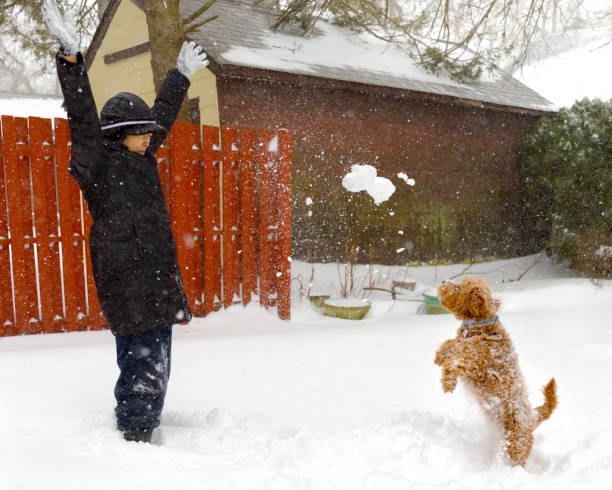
(550,402)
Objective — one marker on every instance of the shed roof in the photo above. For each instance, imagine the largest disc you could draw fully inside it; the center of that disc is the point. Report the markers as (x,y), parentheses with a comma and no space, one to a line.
(241,37)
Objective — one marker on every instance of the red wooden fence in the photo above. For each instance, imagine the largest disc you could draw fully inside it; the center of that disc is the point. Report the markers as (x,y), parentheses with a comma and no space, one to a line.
(229,197)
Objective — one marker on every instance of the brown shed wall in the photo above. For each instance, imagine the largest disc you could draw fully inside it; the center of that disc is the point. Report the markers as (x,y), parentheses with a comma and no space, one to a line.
(464,159)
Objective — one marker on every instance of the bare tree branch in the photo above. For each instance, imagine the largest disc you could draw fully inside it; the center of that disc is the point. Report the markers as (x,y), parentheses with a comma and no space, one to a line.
(195,27)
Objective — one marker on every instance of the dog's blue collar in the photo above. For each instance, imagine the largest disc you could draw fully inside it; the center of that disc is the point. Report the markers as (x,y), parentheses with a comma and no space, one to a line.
(473,323)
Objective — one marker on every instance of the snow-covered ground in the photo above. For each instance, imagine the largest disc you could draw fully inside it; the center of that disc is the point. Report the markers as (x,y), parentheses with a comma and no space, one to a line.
(319,402)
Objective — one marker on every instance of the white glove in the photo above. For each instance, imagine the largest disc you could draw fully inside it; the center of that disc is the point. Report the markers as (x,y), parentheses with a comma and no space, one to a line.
(62,28)
(191,59)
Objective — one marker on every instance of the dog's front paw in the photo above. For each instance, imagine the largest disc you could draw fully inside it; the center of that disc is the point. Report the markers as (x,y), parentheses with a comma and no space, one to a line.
(443,352)
(448,384)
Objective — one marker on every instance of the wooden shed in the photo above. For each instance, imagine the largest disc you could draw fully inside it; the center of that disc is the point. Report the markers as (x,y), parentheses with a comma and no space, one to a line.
(352,100)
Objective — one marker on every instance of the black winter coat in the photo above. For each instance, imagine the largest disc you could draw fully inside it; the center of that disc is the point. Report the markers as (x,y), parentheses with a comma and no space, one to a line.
(133,252)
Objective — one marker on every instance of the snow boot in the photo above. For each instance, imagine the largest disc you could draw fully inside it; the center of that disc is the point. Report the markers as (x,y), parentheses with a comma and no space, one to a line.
(138,435)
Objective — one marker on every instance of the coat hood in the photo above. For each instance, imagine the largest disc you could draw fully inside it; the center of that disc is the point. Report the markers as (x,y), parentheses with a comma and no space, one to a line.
(126,113)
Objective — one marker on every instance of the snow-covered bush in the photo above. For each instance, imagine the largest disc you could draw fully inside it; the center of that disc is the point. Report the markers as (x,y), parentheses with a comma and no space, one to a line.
(567,177)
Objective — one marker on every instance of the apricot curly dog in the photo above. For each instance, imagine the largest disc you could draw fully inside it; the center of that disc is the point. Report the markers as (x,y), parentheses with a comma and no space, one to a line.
(483,356)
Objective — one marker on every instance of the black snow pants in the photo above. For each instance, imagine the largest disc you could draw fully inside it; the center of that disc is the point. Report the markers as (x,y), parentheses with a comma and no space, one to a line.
(144,362)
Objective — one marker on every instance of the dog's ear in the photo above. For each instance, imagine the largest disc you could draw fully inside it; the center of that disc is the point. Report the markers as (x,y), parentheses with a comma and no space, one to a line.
(476,302)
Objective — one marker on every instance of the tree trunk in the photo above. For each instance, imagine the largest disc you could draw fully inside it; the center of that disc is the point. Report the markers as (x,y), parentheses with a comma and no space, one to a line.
(166,36)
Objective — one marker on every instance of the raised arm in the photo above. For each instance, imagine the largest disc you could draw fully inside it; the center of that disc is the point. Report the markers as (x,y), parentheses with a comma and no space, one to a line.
(167,105)
(85,131)
(174,89)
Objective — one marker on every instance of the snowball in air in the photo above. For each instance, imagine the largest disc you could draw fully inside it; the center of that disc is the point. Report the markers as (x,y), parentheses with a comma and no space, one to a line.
(364,178)
(405,178)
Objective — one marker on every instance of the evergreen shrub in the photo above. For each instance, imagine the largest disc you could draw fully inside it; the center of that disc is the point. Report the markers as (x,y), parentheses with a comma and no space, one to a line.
(567,180)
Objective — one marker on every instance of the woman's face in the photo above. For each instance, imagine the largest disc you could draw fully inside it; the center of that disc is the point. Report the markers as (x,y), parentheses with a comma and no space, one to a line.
(137,143)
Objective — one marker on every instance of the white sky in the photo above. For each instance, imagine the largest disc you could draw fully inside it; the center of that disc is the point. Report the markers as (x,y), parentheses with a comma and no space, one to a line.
(585,71)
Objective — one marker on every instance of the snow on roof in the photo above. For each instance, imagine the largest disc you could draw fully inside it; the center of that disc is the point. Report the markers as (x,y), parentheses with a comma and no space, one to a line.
(241,36)
(20,105)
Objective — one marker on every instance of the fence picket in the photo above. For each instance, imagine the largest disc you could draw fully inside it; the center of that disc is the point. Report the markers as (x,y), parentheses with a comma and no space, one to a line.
(284,225)
(268,213)
(27,212)
(46,225)
(7,320)
(18,223)
(185,208)
(231,220)
(248,212)
(211,158)
(71,232)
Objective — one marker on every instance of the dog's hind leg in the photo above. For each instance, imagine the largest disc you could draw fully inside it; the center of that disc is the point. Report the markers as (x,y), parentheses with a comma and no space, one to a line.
(518,445)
